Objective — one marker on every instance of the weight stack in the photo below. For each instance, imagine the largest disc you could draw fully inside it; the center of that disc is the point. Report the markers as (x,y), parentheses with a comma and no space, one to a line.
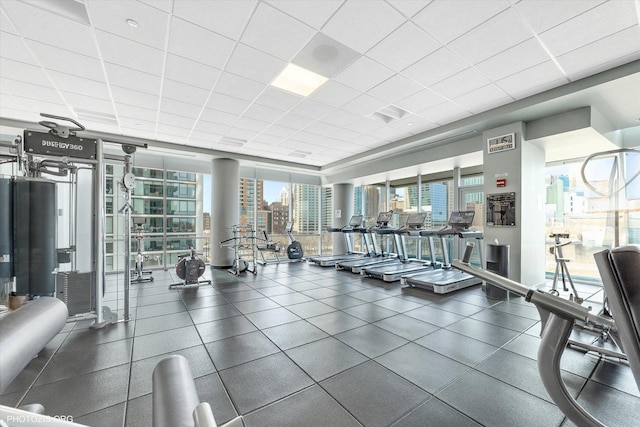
(6,233)
(34,236)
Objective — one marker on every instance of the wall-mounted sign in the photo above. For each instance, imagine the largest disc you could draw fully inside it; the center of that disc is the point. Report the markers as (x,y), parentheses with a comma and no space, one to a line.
(501,143)
(501,209)
(501,182)
(52,145)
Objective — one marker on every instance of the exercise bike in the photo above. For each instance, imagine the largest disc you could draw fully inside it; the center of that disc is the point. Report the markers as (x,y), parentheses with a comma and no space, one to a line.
(190,268)
(140,275)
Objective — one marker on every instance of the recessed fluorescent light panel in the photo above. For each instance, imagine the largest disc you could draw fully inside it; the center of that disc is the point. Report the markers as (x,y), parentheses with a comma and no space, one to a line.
(299,80)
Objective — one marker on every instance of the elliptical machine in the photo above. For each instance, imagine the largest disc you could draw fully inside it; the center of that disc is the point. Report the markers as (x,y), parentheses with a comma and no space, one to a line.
(294,249)
(189,268)
(140,275)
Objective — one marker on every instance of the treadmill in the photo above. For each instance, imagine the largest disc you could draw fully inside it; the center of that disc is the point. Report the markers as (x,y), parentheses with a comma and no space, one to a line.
(354,226)
(393,271)
(376,257)
(449,279)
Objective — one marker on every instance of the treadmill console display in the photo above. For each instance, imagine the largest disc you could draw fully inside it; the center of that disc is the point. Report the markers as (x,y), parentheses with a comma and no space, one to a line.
(288,227)
(416,220)
(384,218)
(461,219)
(355,221)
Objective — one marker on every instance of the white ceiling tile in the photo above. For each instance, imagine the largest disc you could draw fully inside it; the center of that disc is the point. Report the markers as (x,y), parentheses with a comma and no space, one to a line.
(276,33)
(152,23)
(139,133)
(518,58)
(13,47)
(606,53)
(445,113)
(185,93)
(279,131)
(132,79)
(178,121)
(532,80)
(53,58)
(239,87)
(334,94)
(132,122)
(347,135)
(29,90)
(24,72)
(366,140)
(279,99)
(435,67)
(364,74)
(239,133)
(251,124)
(312,12)
(413,124)
(264,139)
(226,17)
(409,7)
(190,72)
(306,137)
(262,113)
(121,51)
(97,126)
(463,82)
(165,131)
(136,113)
(373,20)
(312,109)
(165,5)
(364,125)
(394,89)
(36,24)
(75,84)
(499,33)
(13,113)
(403,47)
(447,20)
(123,95)
(601,21)
(293,121)
(220,117)
(420,101)
(191,41)
(483,99)
(254,64)
(322,128)
(389,133)
(364,105)
(6,25)
(88,103)
(38,106)
(340,118)
(230,104)
(545,14)
(203,128)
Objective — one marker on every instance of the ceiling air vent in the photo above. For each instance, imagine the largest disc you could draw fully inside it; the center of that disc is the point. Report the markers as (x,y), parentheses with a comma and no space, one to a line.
(236,142)
(300,153)
(389,114)
(96,117)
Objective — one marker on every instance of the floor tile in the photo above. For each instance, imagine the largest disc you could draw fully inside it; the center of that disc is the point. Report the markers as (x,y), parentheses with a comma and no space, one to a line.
(273,291)
(610,406)
(240,349)
(139,412)
(247,295)
(434,315)
(210,314)
(325,358)
(224,328)
(157,299)
(89,337)
(436,413)
(616,375)
(524,345)
(211,390)
(481,331)
(310,309)
(164,342)
(374,395)
(301,286)
(369,312)
(457,347)
(458,307)
(160,309)
(205,301)
(397,304)
(371,340)
(320,293)
(405,326)
(112,416)
(273,317)
(342,301)
(291,298)
(336,322)
(253,305)
(504,320)
(310,407)
(294,334)
(263,381)
(368,295)
(163,323)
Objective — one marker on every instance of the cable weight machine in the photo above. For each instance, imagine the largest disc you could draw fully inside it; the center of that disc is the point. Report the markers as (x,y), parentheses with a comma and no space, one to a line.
(244,240)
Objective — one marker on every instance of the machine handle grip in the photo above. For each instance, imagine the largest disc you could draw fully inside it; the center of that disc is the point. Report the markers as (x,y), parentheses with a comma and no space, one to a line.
(467,253)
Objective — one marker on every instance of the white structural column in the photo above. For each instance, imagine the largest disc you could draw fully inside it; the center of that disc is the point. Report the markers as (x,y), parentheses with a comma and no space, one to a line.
(225,202)
(342,196)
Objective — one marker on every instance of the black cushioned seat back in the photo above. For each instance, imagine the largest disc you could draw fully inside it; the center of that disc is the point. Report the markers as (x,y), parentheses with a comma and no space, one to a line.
(620,272)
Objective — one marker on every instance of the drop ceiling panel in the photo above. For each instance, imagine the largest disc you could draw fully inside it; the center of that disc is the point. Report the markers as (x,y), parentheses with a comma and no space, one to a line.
(334,94)
(132,79)
(190,72)
(118,50)
(445,113)
(447,20)
(174,120)
(12,46)
(136,113)
(65,61)
(88,103)
(238,87)
(217,116)
(461,83)
(374,20)
(545,14)
(37,24)
(605,53)
(201,45)
(364,105)
(123,95)
(499,33)
(278,99)
(6,25)
(340,118)
(602,21)
(32,91)
(254,64)
(293,121)
(435,67)
(37,106)
(409,7)
(483,99)
(230,104)
(132,122)
(312,109)
(276,33)
(262,113)
(184,92)
(394,89)
(226,17)
(517,58)
(23,72)
(421,100)
(364,74)
(364,125)
(279,131)
(403,47)
(314,13)
(205,128)
(532,80)
(152,23)
(251,124)
(75,84)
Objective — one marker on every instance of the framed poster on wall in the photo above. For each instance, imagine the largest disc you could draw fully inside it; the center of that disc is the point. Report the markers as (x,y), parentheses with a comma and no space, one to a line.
(501,210)
(501,143)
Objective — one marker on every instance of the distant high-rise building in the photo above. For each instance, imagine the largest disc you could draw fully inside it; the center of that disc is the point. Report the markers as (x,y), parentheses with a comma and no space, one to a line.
(279,217)
(285,195)
(306,208)
(555,197)
(206,221)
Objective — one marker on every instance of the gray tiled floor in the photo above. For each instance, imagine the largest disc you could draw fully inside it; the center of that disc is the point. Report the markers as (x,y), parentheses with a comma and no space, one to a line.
(301,345)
